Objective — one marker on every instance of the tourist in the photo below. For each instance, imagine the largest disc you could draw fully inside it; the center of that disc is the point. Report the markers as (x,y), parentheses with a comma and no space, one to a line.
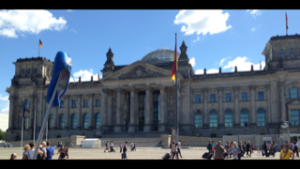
(248,149)
(8,144)
(124,155)
(172,144)
(131,146)
(112,147)
(212,146)
(265,148)
(59,145)
(273,148)
(286,153)
(244,147)
(66,150)
(30,152)
(229,150)
(134,148)
(50,151)
(242,150)
(209,147)
(175,150)
(4,144)
(121,147)
(43,149)
(253,147)
(235,151)
(298,144)
(62,154)
(262,149)
(179,148)
(13,156)
(218,151)
(25,155)
(295,149)
(106,147)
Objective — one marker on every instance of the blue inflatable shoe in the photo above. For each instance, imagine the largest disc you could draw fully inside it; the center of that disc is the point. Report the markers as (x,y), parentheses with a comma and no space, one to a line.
(63,66)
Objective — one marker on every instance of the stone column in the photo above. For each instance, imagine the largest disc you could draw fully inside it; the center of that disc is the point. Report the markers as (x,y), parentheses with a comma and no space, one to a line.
(205,111)
(103,110)
(132,108)
(91,114)
(31,104)
(282,101)
(68,117)
(11,111)
(117,127)
(147,125)
(221,113)
(269,104)
(109,108)
(253,109)
(162,109)
(236,113)
(79,117)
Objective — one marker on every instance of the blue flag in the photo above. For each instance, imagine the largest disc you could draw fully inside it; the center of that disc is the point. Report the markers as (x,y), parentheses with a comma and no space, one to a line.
(24,109)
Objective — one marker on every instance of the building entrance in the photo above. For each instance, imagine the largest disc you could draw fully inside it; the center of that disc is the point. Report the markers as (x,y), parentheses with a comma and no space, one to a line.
(156,110)
(127,110)
(141,109)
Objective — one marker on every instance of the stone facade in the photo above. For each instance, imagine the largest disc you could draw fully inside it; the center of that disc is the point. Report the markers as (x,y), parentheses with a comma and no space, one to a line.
(121,87)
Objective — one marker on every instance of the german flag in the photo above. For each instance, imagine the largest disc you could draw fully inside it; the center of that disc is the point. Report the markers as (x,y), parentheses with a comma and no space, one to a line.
(40,43)
(98,77)
(175,65)
(287,21)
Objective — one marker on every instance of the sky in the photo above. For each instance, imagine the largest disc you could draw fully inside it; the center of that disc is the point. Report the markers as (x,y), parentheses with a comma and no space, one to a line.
(215,38)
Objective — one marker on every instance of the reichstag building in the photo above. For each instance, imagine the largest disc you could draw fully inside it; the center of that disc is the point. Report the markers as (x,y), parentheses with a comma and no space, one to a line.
(140,97)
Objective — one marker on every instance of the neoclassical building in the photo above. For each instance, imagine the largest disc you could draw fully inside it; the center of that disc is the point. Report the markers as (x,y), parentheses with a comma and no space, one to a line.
(140,97)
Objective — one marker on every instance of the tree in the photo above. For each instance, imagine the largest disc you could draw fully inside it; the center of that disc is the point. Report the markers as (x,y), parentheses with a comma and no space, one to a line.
(2,135)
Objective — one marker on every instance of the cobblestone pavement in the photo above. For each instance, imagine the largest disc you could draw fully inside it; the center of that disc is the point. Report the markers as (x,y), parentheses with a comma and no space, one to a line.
(141,153)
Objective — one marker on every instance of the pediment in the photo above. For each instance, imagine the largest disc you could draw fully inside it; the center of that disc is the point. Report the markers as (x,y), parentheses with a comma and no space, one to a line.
(139,70)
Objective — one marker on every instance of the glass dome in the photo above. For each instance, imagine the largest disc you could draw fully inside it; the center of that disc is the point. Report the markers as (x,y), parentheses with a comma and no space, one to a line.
(160,55)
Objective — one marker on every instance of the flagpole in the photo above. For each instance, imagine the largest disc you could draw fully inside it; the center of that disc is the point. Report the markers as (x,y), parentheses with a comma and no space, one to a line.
(39,48)
(22,132)
(286,24)
(176,104)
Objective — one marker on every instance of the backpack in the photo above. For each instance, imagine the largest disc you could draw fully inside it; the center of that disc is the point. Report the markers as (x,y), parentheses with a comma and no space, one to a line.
(40,156)
(26,156)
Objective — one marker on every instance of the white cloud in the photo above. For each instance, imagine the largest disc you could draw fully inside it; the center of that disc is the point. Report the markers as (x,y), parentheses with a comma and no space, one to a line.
(28,21)
(243,64)
(223,60)
(5,104)
(74,31)
(196,40)
(85,76)
(202,21)
(254,12)
(193,61)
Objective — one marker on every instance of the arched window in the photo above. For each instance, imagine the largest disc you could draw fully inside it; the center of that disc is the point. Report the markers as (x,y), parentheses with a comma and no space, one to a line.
(228,118)
(213,118)
(26,124)
(281,52)
(98,120)
(51,121)
(62,121)
(198,119)
(244,117)
(74,121)
(27,104)
(261,117)
(291,51)
(86,122)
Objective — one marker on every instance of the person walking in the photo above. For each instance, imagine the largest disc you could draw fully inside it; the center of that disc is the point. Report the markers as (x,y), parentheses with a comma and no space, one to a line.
(112,147)
(298,144)
(242,150)
(253,147)
(236,151)
(66,150)
(212,146)
(229,150)
(286,153)
(4,144)
(50,151)
(265,148)
(59,145)
(218,151)
(134,148)
(106,147)
(175,150)
(295,149)
(248,149)
(179,148)
(124,155)
(273,148)
(209,147)
(43,149)
(121,147)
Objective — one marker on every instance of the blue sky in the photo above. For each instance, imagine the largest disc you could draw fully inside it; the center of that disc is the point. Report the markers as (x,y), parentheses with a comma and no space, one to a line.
(215,38)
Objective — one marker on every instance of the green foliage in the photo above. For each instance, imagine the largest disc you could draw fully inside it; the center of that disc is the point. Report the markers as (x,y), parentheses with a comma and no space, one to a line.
(2,135)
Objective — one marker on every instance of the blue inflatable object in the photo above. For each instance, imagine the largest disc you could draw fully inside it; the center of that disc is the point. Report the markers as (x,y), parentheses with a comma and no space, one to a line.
(63,66)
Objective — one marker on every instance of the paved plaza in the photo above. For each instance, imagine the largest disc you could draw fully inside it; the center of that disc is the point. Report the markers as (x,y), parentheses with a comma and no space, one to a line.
(141,153)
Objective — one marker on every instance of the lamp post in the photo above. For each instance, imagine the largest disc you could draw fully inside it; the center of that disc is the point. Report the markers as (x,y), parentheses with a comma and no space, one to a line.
(288,127)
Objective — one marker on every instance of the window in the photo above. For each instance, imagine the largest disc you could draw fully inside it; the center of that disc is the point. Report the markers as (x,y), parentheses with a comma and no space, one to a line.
(288,94)
(26,123)
(244,117)
(291,51)
(97,102)
(281,52)
(73,103)
(51,121)
(85,103)
(212,97)
(294,93)
(261,117)
(74,121)
(228,97)
(27,104)
(213,118)
(198,98)
(228,118)
(98,121)
(62,121)
(294,116)
(244,96)
(198,119)
(61,104)
(260,95)
(86,122)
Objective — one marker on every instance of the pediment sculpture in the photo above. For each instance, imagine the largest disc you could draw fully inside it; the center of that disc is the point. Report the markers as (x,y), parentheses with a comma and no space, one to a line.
(140,72)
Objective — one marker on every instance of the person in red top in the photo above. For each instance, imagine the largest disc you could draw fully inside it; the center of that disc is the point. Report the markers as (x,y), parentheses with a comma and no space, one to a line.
(218,151)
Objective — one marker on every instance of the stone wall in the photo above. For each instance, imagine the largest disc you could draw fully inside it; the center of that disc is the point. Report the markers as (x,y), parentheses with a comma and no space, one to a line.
(187,140)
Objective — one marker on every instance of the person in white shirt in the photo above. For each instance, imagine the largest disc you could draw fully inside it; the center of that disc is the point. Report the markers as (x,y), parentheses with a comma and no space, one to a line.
(30,152)
(179,148)
(112,147)
(131,146)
